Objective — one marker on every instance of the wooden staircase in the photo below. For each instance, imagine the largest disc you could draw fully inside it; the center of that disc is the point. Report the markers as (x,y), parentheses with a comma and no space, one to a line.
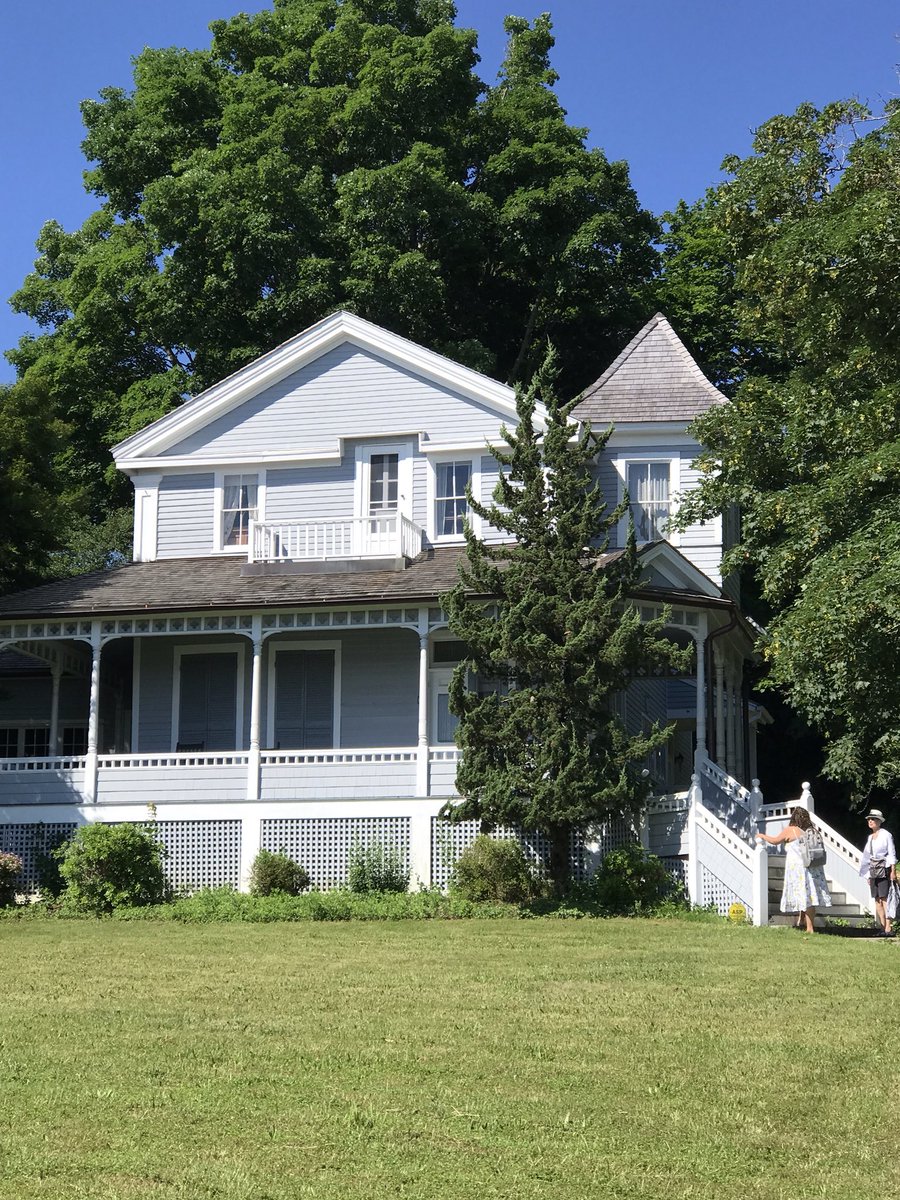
(842,909)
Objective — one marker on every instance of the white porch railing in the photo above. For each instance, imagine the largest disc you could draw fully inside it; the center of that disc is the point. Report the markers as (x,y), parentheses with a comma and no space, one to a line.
(386,535)
(338,774)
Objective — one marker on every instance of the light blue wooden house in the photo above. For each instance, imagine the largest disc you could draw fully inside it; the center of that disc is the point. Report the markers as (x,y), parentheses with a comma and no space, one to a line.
(272,669)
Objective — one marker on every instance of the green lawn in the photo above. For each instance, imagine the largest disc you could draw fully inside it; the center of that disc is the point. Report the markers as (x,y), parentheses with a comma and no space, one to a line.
(514,1059)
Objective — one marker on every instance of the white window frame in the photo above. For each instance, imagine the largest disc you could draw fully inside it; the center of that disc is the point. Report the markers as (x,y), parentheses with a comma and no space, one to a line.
(474,461)
(362,476)
(219,546)
(438,685)
(272,667)
(635,458)
(200,648)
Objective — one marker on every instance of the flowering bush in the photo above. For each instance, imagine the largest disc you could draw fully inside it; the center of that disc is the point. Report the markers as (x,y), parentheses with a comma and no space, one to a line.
(10,870)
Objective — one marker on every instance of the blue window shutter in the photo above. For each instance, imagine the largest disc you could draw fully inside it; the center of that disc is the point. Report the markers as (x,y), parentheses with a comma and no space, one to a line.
(304,699)
(207,708)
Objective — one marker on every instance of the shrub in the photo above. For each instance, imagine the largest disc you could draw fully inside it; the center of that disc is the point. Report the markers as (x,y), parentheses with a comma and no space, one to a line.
(273,873)
(631,880)
(44,846)
(110,866)
(376,868)
(10,870)
(494,870)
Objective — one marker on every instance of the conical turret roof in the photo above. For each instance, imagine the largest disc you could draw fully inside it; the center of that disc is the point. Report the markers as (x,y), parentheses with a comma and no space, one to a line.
(653,379)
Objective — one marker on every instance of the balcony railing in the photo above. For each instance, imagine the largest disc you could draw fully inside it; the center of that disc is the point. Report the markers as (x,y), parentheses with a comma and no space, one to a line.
(387,535)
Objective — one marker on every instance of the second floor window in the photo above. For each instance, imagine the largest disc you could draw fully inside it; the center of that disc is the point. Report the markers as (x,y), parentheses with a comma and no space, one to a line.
(648,491)
(239,508)
(451,481)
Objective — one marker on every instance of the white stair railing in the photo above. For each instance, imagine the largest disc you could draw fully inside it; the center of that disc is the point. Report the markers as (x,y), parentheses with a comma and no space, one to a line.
(842,867)
(724,866)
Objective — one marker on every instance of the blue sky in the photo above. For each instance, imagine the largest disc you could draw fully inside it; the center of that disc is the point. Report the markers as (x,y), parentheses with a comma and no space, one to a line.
(672,86)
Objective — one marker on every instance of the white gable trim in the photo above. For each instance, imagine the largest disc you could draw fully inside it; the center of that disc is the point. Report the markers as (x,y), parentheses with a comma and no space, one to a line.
(680,572)
(284,360)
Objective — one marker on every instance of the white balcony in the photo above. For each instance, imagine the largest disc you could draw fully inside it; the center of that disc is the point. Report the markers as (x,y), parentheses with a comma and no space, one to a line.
(387,535)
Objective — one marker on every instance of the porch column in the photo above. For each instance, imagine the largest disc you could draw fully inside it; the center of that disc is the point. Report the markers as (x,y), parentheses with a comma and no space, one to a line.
(90,762)
(731,693)
(422,747)
(720,710)
(55,676)
(700,638)
(253,761)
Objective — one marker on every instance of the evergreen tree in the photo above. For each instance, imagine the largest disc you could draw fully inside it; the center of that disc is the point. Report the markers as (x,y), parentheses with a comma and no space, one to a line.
(541,744)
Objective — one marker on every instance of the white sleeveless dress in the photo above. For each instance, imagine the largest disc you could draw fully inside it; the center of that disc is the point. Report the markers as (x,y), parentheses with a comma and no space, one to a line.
(803,888)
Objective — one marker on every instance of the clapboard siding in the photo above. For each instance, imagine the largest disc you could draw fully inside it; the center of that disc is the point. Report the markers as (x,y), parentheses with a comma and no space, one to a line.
(346,392)
(310,493)
(379,687)
(420,491)
(185,519)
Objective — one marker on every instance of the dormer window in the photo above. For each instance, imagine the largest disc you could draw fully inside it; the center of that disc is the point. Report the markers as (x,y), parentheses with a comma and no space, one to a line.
(648,491)
(240,506)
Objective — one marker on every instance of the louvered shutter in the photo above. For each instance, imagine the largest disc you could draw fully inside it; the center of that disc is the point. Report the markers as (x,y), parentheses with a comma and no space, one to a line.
(207,709)
(304,699)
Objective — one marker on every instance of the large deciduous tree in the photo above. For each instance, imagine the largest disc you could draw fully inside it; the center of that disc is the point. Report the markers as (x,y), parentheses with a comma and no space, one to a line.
(551,639)
(810,446)
(325,154)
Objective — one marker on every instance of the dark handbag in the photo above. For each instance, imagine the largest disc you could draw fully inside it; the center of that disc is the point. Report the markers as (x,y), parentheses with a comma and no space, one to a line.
(878,869)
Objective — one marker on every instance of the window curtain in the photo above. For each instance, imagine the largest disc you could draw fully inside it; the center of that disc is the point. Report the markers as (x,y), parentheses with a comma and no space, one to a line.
(648,489)
(239,505)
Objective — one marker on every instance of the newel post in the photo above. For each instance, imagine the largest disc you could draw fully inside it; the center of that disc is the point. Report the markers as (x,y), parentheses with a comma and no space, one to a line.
(806,799)
(695,882)
(756,803)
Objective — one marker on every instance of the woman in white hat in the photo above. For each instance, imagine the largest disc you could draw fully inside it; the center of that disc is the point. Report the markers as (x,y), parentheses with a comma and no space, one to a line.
(879,861)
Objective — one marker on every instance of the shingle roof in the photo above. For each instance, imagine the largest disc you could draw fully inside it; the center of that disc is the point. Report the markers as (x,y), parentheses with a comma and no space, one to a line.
(189,584)
(198,584)
(653,379)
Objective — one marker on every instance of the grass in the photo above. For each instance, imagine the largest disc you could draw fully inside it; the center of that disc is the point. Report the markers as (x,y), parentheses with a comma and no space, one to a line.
(551,1059)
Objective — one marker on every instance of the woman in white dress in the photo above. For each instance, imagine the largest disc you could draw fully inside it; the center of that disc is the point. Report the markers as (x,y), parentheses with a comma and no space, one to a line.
(805,888)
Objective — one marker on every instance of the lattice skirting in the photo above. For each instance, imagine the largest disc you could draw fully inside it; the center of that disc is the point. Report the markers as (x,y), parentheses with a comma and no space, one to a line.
(202,854)
(324,845)
(612,835)
(677,868)
(449,840)
(31,843)
(714,891)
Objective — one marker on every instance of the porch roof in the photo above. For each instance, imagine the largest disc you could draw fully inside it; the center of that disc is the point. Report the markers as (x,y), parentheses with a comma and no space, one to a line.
(191,584)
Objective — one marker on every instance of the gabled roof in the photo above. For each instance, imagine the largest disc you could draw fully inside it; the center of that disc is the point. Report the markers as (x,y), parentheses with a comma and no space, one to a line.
(653,379)
(296,353)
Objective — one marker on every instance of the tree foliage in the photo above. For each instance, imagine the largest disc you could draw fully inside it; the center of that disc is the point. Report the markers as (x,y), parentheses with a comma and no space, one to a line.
(324,154)
(810,447)
(541,744)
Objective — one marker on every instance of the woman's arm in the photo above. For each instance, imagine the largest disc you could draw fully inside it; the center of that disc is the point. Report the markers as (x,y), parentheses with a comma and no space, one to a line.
(775,839)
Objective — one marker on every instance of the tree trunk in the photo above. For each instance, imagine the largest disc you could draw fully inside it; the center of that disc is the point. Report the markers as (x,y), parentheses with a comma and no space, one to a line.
(560,858)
